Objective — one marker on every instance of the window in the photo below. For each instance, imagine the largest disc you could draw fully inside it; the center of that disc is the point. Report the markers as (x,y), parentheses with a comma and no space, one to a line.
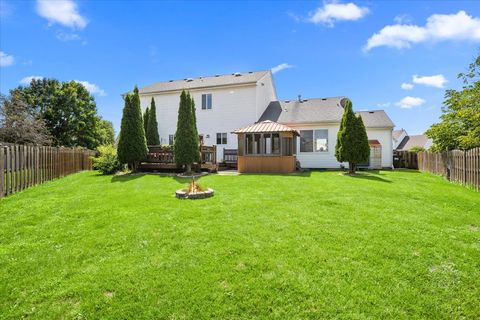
(262,143)
(222,138)
(306,140)
(206,101)
(314,140)
(170,139)
(321,140)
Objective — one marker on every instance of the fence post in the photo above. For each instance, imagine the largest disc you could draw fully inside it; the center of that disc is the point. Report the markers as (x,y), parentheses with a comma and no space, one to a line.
(2,171)
(464,167)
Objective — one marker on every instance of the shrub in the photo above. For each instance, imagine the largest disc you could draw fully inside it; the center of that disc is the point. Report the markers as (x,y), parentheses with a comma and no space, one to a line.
(416,149)
(107,160)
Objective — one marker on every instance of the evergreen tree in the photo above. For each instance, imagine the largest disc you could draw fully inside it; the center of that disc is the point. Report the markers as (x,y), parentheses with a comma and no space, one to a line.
(185,144)
(194,127)
(152,126)
(132,145)
(352,142)
(146,117)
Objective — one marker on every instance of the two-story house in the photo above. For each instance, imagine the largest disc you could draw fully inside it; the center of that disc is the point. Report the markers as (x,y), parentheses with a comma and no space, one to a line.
(225,103)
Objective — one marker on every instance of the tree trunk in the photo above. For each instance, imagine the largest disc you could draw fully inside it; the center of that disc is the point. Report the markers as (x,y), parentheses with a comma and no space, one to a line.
(351,168)
(189,168)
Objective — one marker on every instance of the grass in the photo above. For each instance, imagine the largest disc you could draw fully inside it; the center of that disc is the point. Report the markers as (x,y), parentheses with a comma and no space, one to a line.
(390,245)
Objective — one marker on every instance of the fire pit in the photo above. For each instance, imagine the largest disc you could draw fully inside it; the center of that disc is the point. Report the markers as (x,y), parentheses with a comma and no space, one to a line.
(194,191)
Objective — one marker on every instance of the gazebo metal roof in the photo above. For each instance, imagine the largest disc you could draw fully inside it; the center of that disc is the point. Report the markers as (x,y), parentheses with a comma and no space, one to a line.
(265,127)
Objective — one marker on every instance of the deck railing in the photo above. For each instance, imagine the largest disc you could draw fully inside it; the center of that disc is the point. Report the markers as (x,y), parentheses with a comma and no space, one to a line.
(164,154)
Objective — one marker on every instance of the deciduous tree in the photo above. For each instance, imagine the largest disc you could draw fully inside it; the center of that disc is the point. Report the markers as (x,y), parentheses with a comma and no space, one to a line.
(460,125)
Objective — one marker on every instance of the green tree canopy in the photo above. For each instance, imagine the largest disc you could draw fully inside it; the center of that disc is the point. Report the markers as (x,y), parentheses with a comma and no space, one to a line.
(460,125)
(106,133)
(68,109)
(20,123)
(186,140)
(132,145)
(152,126)
(146,117)
(352,141)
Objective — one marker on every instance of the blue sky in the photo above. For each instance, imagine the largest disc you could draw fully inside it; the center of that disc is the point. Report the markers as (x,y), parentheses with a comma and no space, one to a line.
(364,50)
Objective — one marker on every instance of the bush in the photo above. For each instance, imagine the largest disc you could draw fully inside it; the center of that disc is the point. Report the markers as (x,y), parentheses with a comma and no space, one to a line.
(107,161)
(416,149)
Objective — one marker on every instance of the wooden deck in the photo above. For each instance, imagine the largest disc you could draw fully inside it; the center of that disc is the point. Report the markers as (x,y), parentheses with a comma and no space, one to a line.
(162,158)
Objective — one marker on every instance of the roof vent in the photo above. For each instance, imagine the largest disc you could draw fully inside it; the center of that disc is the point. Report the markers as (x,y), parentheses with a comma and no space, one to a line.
(217,75)
(287,101)
(300,98)
(189,79)
(250,71)
(370,112)
(237,74)
(170,80)
(324,99)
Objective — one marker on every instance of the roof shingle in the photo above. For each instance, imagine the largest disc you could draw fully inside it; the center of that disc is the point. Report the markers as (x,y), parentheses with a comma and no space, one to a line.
(320,110)
(204,82)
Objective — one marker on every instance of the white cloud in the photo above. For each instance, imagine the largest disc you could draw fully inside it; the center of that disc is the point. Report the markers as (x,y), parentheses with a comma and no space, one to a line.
(6,60)
(402,19)
(407,86)
(64,12)
(437,81)
(332,12)
(410,102)
(92,88)
(384,105)
(26,81)
(62,36)
(439,27)
(281,67)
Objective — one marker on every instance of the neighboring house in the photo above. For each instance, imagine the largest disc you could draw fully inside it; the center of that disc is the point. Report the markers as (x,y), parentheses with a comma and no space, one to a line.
(405,142)
(225,103)
(397,137)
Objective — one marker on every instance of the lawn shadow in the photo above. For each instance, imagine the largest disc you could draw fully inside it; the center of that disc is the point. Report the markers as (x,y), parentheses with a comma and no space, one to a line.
(304,174)
(373,175)
(127,177)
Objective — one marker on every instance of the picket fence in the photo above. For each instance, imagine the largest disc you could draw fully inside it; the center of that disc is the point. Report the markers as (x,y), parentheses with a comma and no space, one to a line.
(456,165)
(23,166)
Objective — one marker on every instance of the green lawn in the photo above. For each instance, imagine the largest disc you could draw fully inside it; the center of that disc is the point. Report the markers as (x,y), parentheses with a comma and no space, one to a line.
(321,245)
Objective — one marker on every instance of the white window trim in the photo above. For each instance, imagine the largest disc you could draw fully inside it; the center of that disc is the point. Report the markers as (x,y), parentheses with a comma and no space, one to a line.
(313,136)
(206,103)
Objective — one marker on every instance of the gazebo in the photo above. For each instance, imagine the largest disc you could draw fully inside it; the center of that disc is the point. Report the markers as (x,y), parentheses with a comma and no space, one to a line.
(266,147)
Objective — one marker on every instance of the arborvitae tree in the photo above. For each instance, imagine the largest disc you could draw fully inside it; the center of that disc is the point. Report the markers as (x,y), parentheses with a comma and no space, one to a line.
(194,127)
(352,142)
(146,117)
(152,126)
(185,144)
(132,145)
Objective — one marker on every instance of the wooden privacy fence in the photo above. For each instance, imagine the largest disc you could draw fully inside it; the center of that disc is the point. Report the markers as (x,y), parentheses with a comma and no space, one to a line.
(405,159)
(23,166)
(456,165)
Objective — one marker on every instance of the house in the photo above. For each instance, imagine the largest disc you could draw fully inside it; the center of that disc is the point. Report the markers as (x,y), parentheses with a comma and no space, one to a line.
(227,103)
(404,142)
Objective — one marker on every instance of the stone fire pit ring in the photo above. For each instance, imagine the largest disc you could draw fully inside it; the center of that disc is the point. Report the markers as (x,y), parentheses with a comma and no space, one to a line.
(182,194)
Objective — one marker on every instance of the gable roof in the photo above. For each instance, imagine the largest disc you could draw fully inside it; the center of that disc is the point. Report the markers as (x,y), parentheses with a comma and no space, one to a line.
(265,126)
(319,110)
(419,140)
(205,82)
(396,134)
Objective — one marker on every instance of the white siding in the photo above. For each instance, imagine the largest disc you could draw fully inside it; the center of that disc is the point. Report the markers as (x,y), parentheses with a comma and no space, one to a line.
(327,159)
(265,94)
(232,107)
